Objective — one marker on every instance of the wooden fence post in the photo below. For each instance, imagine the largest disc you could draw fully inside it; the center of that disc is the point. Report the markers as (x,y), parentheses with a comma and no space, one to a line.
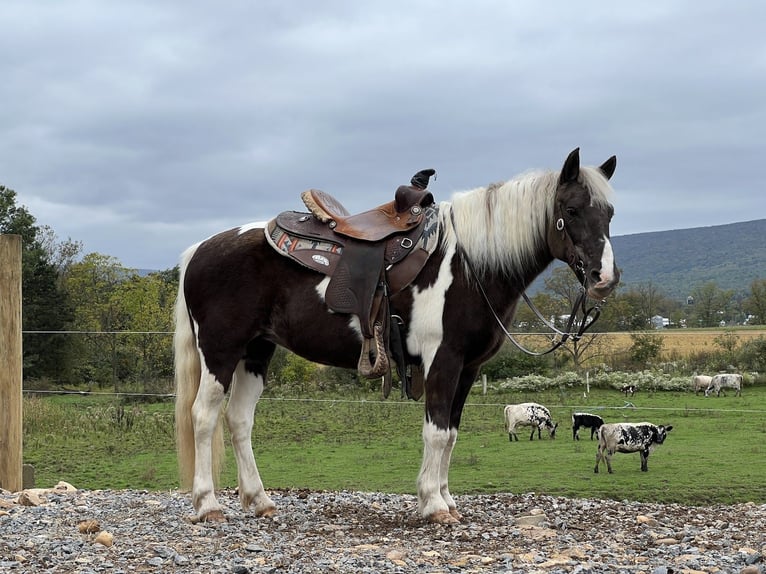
(10,363)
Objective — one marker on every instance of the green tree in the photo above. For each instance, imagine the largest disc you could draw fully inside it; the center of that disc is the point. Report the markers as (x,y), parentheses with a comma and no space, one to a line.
(146,307)
(755,304)
(91,284)
(710,304)
(46,309)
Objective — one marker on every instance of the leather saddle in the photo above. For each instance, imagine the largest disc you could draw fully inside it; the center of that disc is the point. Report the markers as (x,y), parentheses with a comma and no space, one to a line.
(368,257)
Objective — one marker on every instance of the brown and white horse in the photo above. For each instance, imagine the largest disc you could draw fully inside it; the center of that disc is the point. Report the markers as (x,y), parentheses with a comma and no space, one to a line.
(238,299)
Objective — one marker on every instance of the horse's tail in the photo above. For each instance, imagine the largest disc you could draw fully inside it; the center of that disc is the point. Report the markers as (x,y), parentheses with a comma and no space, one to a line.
(188,371)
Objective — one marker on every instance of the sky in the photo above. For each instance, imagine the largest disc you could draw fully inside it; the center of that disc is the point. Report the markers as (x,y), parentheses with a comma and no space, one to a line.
(140,128)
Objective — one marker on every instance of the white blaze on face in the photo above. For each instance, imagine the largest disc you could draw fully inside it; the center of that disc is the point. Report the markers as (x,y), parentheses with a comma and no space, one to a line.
(607,263)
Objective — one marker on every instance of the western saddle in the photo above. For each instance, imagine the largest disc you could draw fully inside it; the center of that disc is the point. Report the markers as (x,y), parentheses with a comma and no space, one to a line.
(368,257)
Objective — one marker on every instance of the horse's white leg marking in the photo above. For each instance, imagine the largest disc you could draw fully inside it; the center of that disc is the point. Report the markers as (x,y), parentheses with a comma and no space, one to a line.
(426,330)
(436,442)
(444,472)
(245,392)
(607,264)
(424,339)
(205,412)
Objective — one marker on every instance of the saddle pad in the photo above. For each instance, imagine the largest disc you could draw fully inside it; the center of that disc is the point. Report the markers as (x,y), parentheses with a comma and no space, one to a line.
(319,255)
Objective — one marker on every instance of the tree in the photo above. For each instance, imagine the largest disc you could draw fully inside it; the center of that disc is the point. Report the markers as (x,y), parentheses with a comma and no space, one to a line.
(45,306)
(146,305)
(91,284)
(755,304)
(710,304)
(566,291)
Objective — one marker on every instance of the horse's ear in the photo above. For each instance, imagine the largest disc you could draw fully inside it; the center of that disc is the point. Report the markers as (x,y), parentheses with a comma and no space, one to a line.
(609,166)
(571,169)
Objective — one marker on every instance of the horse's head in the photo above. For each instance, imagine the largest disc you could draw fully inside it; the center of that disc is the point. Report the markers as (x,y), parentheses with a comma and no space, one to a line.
(579,232)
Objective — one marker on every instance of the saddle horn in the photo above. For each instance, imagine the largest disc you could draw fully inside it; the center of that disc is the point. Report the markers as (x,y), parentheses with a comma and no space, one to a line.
(420,179)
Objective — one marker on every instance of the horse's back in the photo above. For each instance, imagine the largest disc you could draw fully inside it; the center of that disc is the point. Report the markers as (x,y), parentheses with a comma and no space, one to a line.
(238,288)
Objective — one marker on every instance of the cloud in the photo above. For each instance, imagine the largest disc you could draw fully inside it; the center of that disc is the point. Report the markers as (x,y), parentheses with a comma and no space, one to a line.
(135,126)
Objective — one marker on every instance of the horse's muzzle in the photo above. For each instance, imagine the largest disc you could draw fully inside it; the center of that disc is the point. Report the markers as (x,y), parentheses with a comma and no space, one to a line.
(606,282)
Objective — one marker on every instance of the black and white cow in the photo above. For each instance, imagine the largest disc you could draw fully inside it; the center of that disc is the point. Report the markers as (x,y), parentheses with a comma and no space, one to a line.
(629,437)
(585,420)
(725,381)
(629,390)
(528,414)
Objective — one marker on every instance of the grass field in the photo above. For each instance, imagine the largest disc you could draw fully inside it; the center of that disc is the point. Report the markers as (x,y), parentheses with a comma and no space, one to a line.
(716,452)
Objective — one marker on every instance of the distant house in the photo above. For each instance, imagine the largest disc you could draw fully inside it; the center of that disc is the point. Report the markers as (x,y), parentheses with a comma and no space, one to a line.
(690,300)
(660,322)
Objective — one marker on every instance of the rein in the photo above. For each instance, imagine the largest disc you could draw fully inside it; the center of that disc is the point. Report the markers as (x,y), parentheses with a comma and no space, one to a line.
(589,316)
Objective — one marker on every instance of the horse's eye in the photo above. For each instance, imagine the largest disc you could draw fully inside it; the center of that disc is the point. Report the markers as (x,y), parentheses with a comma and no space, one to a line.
(571,211)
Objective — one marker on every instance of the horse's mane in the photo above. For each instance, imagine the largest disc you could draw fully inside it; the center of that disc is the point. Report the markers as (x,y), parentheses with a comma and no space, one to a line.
(502,227)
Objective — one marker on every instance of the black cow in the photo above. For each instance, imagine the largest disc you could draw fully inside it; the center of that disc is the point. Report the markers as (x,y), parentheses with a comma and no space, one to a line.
(629,437)
(585,420)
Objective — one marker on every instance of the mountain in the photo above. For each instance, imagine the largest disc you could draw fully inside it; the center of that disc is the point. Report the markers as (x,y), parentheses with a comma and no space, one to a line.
(731,256)
(677,261)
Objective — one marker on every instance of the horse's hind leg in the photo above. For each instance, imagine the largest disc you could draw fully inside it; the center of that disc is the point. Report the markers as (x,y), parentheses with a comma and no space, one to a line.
(245,392)
(205,412)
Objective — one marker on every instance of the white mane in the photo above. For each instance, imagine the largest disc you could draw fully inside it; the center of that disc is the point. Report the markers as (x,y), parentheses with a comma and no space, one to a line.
(502,227)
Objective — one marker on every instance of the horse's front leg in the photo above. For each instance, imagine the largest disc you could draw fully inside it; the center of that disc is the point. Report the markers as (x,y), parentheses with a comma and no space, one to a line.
(205,412)
(434,500)
(245,392)
(444,407)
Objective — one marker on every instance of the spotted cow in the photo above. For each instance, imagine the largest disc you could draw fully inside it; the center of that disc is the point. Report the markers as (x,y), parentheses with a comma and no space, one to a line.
(725,381)
(629,437)
(585,420)
(528,414)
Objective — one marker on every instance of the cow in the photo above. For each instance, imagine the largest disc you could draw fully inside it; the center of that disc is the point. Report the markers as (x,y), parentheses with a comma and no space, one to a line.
(528,414)
(629,437)
(725,381)
(700,383)
(628,390)
(585,420)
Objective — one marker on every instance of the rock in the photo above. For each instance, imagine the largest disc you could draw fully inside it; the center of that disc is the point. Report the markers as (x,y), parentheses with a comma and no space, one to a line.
(30,498)
(62,486)
(530,520)
(89,527)
(104,538)
(648,520)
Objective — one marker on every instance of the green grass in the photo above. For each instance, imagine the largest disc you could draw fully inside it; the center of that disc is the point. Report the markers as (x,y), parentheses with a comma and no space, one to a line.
(716,452)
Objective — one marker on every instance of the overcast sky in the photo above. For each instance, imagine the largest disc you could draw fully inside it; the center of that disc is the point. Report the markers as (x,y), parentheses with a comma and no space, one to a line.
(140,128)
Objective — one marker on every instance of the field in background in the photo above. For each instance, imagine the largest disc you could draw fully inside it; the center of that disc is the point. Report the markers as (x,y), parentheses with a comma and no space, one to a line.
(676,343)
(716,452)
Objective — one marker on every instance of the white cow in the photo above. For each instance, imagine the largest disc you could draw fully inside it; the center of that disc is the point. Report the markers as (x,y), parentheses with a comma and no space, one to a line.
(528,414)
(725,381)
(700,383)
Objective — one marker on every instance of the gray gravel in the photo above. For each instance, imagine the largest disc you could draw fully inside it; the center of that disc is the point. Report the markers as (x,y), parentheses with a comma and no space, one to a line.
(365,532)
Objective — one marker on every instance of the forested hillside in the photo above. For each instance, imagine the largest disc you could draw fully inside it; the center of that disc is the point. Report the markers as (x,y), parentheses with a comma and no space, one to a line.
(731,256)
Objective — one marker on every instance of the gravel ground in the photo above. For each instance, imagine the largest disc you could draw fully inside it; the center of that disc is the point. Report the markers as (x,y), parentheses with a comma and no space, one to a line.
(81,531)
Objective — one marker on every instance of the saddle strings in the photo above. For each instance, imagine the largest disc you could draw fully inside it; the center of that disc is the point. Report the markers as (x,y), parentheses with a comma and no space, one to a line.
(590,316)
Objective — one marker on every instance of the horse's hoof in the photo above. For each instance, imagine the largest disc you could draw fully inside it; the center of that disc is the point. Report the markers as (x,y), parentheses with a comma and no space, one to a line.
(268,512)
(455,514)
(443,517)
(212,516)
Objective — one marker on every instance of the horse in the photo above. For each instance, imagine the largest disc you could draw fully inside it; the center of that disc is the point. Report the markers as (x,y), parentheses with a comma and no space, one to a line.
(238,299)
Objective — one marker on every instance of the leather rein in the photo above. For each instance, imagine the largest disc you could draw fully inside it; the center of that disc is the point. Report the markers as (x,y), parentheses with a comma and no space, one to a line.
(589,315)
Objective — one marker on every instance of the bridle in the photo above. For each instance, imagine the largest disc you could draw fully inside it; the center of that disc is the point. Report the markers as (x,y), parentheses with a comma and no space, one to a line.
(589,315)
